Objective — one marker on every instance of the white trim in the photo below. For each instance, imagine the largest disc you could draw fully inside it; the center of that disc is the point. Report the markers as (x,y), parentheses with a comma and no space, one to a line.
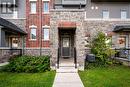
(46,0)
(2,48)
(45,26)
(32,39)
(110,19)
(32,0)
(46,12)
(32,26)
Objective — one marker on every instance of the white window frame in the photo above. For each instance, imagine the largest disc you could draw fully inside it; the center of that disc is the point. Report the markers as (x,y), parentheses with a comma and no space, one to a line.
(33,10)
(105,14)
(123,13)
(47,4)
(33,28)
(8,8)
(46,38)
(4,8)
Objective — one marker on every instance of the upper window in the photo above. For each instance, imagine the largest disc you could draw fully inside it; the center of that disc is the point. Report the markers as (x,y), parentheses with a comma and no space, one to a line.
(6,8)
(105,14)
(33,34)
(33,7)
(123,14)
(45,34)
(46,6)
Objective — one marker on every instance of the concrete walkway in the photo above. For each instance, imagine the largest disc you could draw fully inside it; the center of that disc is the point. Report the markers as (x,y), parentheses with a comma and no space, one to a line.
(3,64)
(67,79)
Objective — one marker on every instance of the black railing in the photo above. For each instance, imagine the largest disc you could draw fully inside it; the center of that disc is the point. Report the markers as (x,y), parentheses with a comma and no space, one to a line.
(16,52)
(75,57)
(58,57)
(122,53)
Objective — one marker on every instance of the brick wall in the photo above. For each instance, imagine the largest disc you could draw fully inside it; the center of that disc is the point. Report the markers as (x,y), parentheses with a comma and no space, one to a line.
(39,19)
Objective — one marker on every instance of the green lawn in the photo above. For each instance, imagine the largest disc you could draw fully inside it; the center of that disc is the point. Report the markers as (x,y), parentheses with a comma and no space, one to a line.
(27,79)
(114,76)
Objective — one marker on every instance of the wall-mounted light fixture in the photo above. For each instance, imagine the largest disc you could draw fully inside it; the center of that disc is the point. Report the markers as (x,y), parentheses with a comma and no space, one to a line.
(94,7)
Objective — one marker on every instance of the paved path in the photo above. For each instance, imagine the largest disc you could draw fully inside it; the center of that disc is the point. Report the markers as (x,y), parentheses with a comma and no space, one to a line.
(3,64)
(67,80)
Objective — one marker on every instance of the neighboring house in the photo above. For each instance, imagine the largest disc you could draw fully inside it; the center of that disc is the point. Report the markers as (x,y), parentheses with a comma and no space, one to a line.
(12,27)
(59,28)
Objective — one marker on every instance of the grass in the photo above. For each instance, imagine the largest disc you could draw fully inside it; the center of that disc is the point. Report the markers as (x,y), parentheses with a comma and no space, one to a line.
(27,79)
(114,76)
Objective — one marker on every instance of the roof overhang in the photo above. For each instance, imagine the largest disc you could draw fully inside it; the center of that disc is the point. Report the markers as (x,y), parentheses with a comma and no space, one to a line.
(11,27)
(122,28)
(67,25)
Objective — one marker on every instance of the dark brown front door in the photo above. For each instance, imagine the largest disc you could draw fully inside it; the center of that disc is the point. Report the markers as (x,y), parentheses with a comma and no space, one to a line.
(66,46)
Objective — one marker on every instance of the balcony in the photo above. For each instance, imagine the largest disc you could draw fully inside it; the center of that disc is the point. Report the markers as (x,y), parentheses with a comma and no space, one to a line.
(73,2)
(9,2)
(110,0)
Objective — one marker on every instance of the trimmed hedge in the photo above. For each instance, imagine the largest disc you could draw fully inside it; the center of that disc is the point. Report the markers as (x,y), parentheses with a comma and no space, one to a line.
(29,64)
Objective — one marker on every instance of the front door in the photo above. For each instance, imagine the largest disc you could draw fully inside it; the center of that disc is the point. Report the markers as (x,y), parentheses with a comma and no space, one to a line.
(65,46)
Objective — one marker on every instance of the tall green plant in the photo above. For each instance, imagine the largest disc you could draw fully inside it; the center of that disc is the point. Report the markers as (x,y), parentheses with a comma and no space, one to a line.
(99,47)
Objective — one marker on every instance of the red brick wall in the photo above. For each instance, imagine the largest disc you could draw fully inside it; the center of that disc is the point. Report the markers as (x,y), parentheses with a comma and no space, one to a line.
(37,20)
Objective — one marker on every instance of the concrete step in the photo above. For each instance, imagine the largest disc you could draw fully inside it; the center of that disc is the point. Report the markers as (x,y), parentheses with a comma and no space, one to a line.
(67,69)
(67,65)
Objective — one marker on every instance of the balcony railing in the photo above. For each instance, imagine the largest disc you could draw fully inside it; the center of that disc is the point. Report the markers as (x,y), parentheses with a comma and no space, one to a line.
(73,2)
(6,54)
(122,53)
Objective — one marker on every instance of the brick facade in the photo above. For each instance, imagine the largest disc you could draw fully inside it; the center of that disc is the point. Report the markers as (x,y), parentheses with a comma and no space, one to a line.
(39,19)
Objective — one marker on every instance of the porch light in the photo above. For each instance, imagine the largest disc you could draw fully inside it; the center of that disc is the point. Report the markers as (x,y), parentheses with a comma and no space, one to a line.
(94,7)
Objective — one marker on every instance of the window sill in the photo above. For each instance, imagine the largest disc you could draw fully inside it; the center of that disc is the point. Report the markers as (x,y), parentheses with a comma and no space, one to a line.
(32,39)
(33,13)
(45,40)
(45,13)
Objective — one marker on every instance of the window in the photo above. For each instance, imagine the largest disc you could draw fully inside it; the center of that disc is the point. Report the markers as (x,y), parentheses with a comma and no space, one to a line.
(33,33)
(45,34)
(33,7)
(15,42)
(9,10)
(123,14)
(3,8)
(105,14)
(46,6)
(123,41)
(6,8)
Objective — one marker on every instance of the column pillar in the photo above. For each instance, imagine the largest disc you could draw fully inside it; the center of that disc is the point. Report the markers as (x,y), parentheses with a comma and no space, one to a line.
(23,44)
(2,38)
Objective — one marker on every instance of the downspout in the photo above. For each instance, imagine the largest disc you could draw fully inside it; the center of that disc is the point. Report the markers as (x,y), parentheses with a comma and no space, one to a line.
(41,30)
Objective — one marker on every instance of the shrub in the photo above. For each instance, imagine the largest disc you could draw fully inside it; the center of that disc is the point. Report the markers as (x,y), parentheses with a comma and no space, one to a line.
(100,48)
(29,64)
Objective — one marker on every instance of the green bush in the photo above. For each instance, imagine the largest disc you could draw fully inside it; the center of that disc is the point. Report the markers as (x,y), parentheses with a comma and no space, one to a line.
(29,64)
(100,48)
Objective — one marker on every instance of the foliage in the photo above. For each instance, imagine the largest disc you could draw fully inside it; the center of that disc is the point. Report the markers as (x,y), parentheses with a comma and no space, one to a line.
(101,49)
(29,64)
